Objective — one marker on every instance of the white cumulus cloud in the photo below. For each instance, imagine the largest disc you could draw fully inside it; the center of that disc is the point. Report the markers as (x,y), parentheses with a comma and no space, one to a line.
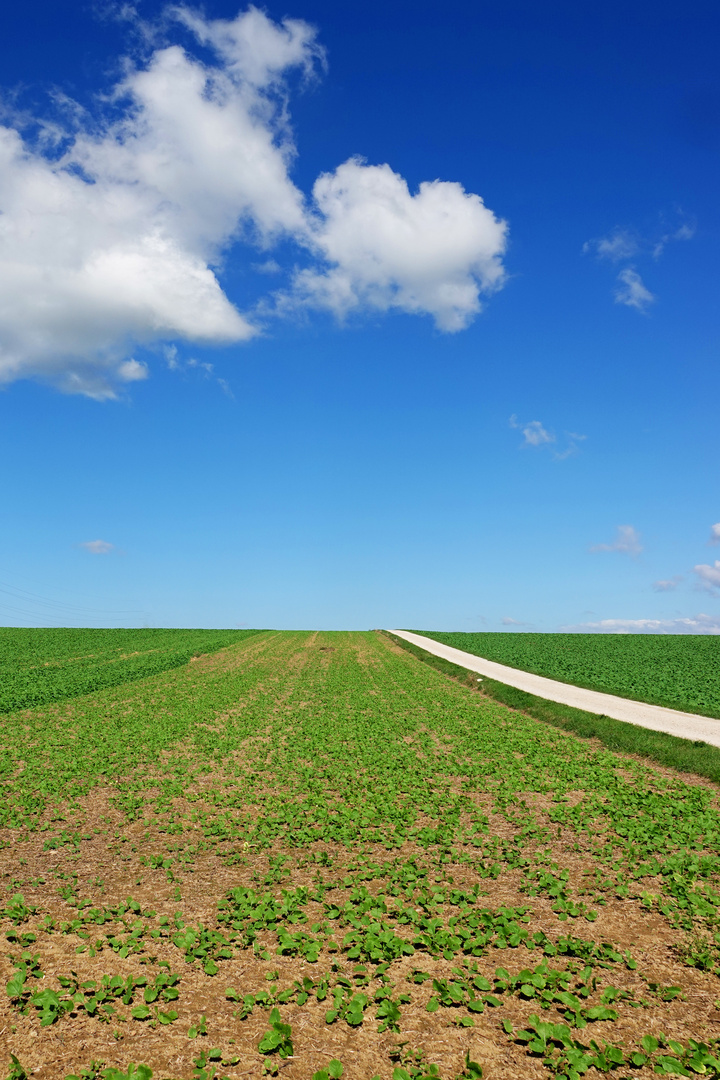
(433,252)
(715,533)
(632,292)
(627,542)
(98,547)
(112,243)
(114,232)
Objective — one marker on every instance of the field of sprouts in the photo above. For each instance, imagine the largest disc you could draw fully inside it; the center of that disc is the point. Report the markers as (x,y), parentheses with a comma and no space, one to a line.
(310,855)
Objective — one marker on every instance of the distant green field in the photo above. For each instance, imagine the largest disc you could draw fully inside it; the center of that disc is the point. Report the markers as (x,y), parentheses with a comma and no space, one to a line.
(681,671)
(38,667)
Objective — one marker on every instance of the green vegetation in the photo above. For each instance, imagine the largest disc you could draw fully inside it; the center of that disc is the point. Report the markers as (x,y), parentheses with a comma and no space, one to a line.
(685,755)
(38,667)
(313,856)
(681,671)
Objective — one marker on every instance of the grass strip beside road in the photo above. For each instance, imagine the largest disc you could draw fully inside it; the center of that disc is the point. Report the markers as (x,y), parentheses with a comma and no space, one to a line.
(685,755)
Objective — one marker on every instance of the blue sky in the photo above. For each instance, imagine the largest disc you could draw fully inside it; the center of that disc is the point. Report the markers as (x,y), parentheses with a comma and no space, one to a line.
(386,315)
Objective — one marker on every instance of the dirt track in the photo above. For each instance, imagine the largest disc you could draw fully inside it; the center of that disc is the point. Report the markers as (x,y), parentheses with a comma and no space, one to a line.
(655,717)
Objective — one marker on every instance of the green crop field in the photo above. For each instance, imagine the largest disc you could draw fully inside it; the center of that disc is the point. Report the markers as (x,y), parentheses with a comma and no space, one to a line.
(678,670)
(313,856)
(41,666)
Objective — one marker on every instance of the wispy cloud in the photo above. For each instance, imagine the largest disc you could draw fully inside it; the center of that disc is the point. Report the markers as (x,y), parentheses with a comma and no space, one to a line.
(176,363)
(632,292)
(685,231)
(132,371)
(667,584)
(536,435)
(623,244)
(202,365)
(98,547)
(269,266)
(507,621)
(620,244)
(170,353)
(698,624)
(226,388)
(627,542)
(573,438)
(708,576)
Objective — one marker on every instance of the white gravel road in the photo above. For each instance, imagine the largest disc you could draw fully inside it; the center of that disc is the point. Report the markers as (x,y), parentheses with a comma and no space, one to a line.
(655,717)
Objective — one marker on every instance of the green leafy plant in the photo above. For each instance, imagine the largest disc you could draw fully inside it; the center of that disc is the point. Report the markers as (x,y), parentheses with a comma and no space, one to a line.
(17,910)
(134,1072)
(207,1063)
(17,1072)
(333,1071)
(278,1039)
(198,1029)
(471,1069)
(94,1071)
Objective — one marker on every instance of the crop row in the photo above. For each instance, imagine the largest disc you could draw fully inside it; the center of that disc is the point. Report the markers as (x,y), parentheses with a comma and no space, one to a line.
(38,667)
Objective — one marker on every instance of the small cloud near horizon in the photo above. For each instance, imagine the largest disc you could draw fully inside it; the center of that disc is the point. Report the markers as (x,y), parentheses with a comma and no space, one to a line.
(698,624)
(98,547)
(507,621)
(709,576)
(667,584)
(627,542)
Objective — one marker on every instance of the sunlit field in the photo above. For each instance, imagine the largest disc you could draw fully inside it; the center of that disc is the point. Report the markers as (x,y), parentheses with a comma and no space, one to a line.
(311,855)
